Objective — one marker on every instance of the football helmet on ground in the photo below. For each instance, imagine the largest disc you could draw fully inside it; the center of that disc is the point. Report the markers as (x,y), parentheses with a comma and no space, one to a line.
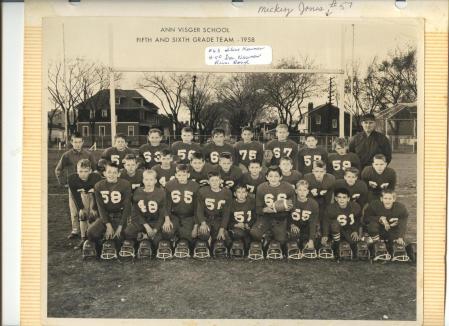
(237,249)
(326,252)
(164,250)
(108,250)
(399,253)
(293,251)
(127,250)
(182,249)
(145,250)
(274,250)
(363,250)
(381,252)
(255,251)
(345,251)
(89,250)
(219,249)
(201,250)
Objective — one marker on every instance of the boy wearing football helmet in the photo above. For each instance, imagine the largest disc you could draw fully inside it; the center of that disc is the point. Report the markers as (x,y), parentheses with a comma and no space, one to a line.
(150,153)
(341,159)
(166,170)
(117,153)
(183,149)
(309,154)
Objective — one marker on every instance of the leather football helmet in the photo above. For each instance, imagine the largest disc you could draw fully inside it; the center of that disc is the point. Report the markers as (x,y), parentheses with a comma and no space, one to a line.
(182,249)
(380,251)
(344,251)
(237,249)
(108,250)
(293,251)
(326,252)
(412,251)
(127,250)
(89,250)
(274,250)
(363,252)
(201,250)
(219,249)
(145,250)
(164,250)
(399,253)
(255,251)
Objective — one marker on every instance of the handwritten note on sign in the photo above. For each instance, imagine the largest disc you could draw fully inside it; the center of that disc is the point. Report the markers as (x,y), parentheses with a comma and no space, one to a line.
(239,55)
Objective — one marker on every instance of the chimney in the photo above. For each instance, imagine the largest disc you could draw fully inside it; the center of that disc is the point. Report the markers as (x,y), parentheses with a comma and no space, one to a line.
(310,106)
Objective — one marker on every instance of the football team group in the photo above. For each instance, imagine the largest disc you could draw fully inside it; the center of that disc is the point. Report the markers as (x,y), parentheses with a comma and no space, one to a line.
(243,200)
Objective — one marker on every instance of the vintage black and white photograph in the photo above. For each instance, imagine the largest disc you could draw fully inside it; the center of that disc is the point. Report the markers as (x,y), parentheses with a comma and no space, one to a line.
(232,168)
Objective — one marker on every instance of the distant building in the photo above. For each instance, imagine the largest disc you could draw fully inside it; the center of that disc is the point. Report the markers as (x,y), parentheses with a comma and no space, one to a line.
(324,120)
(56,128)
(399,120)
(135,116)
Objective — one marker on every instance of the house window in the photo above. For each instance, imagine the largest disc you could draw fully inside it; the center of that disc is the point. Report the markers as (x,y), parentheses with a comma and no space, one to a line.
(85,131)
(91,114)
(104,113)
(130,130)
(318,119)
(334,123)
(101,130)
(117,100)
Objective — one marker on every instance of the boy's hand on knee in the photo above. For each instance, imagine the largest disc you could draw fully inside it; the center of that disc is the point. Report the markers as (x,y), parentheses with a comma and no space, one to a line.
(204,228)
(168,225)
(310,245)
(221,234)
(118,232)
(355,236)
(109,231)
(400,241)
(324,241)
(294,229)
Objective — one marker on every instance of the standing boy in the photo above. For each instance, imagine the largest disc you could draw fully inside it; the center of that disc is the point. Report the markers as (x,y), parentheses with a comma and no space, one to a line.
(282,146)
(213,149)
(183,149)
(117,153)
(247,149)
(310,154)
(341,159)
(150,153)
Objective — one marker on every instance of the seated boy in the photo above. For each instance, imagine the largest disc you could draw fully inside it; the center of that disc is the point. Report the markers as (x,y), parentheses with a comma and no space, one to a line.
(117,153)
(288,174)
(113,198)
(378,177)
(217,146)
(341,160)
(150,212)
(166,170)
(81,185)
(309,154)
(230,174)
(150,153)
(243,215)
(358,191)
(254,177)
(181,202)
(270,216)
(247,149)
(130,171)
(199,169)
(342,220)
(304,217)
(213,210)
(183,149)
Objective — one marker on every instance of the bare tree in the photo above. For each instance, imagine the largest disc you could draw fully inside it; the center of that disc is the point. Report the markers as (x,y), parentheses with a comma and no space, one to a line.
(51,115)
(169,91)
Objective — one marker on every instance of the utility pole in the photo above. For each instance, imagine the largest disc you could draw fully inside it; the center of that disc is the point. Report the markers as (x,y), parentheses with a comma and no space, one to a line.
(331,89)
(192,107)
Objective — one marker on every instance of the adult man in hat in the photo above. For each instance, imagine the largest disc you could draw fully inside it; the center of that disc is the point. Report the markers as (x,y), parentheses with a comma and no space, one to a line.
(370,142)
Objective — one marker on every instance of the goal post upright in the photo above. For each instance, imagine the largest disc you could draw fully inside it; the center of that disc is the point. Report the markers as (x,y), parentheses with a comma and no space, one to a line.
(341,86)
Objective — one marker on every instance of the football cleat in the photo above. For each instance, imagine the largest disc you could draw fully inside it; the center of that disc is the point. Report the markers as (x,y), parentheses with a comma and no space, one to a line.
(274,250)
(255,251)
(326,252)
(127,250)
(145,250)
(108,250)
(237,249)
(201,250)
(89,250)
(293,251)
(182,249)
(411,251)
(219,249)
(399,253)
(344,251)
(380,251)
(363,251)
(164,250)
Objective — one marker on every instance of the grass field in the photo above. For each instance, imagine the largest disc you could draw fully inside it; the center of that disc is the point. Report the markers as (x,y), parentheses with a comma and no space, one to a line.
(191,289)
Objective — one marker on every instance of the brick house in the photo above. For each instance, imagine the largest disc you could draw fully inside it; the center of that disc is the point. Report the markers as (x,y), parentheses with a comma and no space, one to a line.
(135,116)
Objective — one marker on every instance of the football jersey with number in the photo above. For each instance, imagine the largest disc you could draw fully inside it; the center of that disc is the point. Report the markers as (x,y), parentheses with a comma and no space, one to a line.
(266,195)
(165,175)
(348,217)
(247,152)
(306,156)
(212,152)
(283,148)
(252,184)
(321,191)
(337,164)
(378,182)
(183,151)
(113,198)
(243,212)
(293,178)
(397,215)
(78,187)
(181,198)
(358,192)
(202,177)
(231,178)
(135,180)
(113,155)
(151,155)
(305,214)
(149,206)
(214,205)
